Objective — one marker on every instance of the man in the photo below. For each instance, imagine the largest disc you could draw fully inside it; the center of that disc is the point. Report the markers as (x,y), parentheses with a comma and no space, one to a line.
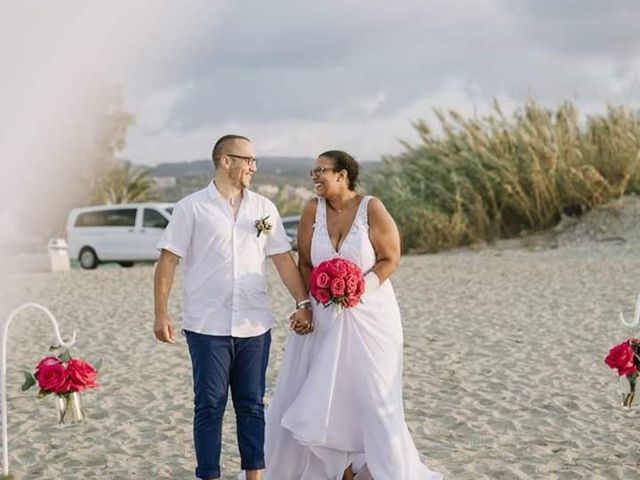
(221,236)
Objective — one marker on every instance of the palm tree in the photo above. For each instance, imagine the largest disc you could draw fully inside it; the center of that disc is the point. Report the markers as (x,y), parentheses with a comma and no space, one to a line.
(124,183)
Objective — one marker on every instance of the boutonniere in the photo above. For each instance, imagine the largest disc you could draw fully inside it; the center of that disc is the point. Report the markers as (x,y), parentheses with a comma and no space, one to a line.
(263,225)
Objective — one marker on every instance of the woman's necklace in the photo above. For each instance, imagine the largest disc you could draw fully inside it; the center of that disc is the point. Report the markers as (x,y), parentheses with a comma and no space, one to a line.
(344,207)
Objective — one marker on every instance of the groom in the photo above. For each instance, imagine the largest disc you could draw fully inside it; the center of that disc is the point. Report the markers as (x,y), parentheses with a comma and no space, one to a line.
(221,236)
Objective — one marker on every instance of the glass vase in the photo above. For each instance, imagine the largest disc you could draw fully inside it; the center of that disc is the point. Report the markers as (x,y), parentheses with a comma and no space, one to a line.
(69,408)
(627,389)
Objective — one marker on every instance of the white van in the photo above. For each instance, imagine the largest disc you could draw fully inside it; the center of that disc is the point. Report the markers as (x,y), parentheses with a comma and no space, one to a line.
(123,233)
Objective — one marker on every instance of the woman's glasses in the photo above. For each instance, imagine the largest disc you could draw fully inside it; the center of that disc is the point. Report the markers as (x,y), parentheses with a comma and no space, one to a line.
(317,171)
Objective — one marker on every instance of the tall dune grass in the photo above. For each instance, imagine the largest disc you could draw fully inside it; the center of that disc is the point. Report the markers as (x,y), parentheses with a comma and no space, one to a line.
(500,176)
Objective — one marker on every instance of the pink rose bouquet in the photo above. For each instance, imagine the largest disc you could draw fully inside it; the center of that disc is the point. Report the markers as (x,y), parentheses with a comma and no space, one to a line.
(63,376)
(337,281)
(625,358)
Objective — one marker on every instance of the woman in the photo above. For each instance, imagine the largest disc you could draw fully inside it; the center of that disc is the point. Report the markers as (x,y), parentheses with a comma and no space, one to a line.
(337,408)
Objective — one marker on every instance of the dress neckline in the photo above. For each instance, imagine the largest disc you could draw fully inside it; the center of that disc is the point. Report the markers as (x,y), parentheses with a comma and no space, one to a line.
(344,239)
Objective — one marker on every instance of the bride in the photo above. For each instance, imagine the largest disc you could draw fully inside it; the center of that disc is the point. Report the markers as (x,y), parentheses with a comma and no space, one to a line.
(337,408)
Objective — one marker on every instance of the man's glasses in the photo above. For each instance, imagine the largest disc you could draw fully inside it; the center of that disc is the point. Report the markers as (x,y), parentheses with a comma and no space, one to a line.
(250,161)
(314,172)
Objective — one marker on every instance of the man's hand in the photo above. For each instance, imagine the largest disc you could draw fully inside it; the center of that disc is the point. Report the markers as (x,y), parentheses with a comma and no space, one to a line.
(301,321)
(162,282)
(163,329)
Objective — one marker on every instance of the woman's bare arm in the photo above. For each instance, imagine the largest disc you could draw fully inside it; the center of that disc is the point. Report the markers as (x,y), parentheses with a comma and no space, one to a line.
(385,239)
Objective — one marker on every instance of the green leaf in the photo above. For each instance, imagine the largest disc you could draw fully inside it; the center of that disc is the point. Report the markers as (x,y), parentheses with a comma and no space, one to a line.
(54,347)
(65,356)
(43,393)
(98,365)
(29,381)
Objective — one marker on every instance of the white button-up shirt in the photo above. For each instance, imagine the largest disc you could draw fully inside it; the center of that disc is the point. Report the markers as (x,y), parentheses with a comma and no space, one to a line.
(223,261)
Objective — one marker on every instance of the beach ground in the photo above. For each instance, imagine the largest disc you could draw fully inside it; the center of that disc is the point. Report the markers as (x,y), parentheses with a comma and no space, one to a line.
(503,376)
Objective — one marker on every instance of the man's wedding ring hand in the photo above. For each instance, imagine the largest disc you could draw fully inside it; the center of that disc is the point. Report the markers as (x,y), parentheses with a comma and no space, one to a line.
(306,328)
(303,329)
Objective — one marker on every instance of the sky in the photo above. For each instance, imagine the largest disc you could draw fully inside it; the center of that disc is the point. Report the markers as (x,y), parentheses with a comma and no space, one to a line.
(299,78)
(302,77)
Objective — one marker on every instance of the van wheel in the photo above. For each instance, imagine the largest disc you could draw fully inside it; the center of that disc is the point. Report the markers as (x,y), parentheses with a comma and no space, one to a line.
(126,264)
(88,258)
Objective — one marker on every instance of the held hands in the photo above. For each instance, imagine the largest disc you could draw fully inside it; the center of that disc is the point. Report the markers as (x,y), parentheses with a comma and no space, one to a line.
(163,328)
(301,321)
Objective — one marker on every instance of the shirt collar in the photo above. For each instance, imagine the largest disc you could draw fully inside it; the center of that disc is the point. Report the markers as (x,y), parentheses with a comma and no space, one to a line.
(213,191)
(214,194)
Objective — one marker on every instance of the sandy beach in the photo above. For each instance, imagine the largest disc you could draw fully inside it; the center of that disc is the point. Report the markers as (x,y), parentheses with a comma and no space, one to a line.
(504,375)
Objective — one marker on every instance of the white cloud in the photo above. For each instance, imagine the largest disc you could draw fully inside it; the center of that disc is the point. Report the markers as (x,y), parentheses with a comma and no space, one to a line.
(367,139)
(371,105)
(155,110)
(299,76)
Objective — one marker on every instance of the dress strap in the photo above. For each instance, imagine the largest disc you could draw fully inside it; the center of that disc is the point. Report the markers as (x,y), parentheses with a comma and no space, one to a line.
(321,213)
(363,212)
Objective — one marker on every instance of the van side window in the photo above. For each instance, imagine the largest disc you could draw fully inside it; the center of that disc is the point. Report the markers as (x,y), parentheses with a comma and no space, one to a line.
(122,217)
(153,219)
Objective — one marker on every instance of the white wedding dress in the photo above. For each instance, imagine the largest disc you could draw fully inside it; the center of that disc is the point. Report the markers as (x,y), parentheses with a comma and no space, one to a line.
(338,395)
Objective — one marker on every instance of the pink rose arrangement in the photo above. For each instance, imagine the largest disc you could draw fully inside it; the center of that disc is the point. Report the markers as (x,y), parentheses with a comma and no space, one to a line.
(338,282)
(63,376)
(625,358)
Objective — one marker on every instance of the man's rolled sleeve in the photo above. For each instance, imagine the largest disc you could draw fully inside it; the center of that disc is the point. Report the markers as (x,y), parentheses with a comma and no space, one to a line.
(277,242)
(177,236)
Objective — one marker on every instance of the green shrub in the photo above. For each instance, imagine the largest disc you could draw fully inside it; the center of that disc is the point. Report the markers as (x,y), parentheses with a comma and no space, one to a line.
(484,178)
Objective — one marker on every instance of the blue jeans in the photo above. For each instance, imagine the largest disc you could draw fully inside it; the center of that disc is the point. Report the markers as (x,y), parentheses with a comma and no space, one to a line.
(220,362)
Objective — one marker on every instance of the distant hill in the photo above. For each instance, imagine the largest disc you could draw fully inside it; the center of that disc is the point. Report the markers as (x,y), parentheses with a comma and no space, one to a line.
(289,167)
(182,169)
(279,171)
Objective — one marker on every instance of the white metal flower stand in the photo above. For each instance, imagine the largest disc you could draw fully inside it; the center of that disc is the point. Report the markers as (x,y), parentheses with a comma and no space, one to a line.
(3,370)
(636,317)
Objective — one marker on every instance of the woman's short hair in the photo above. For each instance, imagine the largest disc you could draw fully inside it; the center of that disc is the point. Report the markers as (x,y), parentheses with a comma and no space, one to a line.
(344,161)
